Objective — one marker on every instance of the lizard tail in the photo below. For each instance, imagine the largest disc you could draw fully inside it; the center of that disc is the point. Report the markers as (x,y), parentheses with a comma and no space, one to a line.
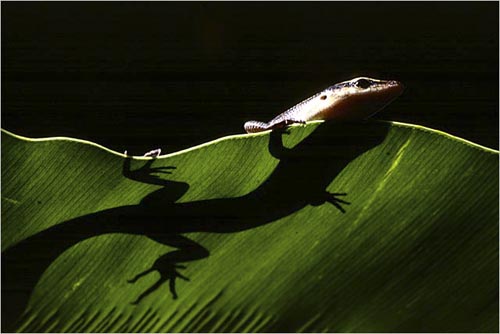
(254,126)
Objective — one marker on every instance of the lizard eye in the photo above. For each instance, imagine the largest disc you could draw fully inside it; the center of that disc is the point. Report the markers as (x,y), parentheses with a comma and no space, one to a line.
(362,83)
(323,97)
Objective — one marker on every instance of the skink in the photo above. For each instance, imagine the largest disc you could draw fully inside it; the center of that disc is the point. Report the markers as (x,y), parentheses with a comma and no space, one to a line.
(350,100)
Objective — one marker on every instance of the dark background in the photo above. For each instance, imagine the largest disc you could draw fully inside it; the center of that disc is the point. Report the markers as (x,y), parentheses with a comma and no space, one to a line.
(141,75)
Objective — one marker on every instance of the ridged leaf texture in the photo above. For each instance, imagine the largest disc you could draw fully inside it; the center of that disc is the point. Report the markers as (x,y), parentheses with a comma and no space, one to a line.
(267,244)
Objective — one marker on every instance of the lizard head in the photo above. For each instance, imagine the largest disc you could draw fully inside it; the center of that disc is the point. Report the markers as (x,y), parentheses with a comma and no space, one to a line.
(359,98)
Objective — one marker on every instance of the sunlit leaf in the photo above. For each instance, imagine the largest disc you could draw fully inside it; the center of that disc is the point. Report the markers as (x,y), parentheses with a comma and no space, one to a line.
(415,250)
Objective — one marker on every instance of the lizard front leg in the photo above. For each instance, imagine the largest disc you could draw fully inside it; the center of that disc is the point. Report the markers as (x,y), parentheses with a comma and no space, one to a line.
(288,122)
(255,126)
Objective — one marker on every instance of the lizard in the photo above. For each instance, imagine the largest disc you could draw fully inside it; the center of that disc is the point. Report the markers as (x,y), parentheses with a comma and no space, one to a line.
(162,218)
(355,99)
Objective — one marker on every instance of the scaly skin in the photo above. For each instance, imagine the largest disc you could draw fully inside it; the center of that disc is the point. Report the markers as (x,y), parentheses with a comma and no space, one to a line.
(351,100)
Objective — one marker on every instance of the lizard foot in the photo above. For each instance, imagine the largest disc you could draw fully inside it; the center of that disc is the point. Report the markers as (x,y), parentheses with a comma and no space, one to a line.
(289,122)
(286,123)
(153,153)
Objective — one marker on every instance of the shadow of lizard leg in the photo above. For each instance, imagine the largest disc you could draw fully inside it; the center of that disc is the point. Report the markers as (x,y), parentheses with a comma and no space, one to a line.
(332,198)
(144,273)
(166,264)
(150,290)
(167,273)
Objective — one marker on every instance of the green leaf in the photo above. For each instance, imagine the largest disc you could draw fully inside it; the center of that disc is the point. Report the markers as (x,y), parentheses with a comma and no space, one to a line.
(416,249)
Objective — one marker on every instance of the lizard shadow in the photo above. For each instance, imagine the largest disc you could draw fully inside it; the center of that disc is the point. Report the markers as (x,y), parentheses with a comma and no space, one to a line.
(300,179)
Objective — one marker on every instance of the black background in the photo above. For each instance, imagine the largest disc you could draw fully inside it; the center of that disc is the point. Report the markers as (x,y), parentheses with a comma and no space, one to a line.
(141,75)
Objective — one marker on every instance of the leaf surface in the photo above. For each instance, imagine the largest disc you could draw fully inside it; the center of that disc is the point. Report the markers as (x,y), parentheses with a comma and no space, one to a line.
(416,249)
